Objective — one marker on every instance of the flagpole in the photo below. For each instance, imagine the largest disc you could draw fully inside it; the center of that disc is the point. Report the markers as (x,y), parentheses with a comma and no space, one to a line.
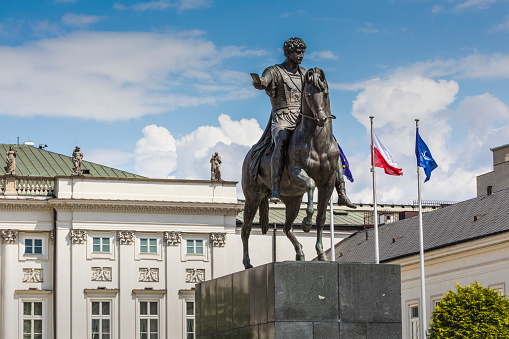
(332,253)
(421,246)
(375,214)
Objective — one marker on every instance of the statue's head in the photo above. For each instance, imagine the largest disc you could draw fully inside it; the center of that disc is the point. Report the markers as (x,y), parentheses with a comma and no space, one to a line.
(216,154)
(292,44)
(11,149)
(77,148)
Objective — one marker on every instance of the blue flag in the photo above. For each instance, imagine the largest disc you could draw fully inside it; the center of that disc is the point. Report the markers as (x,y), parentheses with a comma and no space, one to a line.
(424,157)
(346,167)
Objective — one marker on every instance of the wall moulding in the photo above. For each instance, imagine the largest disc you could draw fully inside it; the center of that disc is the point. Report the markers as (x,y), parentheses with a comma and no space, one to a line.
(78,236)
(172,238)
(101,274)
(9,236)
(32,275)
(125,237)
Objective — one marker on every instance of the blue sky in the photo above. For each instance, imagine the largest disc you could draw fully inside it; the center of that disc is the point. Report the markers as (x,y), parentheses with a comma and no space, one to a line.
(155,87)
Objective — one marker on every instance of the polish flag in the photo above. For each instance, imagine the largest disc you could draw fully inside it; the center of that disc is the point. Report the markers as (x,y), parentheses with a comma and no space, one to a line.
(383,158)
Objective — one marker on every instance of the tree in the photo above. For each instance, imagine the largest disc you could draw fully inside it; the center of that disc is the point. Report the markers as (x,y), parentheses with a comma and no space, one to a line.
(472,312)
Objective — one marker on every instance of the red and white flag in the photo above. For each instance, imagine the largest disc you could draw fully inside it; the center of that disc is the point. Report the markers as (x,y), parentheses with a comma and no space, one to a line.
(383,158)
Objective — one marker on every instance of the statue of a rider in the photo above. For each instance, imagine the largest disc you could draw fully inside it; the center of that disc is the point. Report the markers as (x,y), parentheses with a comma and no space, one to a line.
(283,84)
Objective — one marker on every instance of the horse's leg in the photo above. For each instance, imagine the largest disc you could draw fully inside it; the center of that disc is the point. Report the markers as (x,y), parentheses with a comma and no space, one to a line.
(324,194)
(292,210)
(299,177)
(250,208)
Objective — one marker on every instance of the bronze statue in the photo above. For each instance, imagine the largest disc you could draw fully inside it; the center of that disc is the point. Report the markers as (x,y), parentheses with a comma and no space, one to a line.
(283,83)
(215,167)
(11,161)
(77,159)
(310,161)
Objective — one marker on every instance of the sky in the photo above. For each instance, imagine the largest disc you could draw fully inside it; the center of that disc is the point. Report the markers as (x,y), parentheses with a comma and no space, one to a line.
(156,87)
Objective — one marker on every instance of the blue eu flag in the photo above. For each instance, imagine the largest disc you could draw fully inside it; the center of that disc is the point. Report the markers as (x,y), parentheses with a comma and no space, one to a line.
(346,167)
(424,157)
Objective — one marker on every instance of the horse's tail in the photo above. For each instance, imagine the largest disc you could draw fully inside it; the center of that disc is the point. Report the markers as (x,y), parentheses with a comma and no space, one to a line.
(264,214)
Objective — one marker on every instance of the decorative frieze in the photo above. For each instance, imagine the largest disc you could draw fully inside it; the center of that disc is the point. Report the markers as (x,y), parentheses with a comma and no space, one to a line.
(125,237)
(32,275)
(218,239)
(78,236)
(195,275)
(101,273)
(9,236)
(172,238)
(149,274)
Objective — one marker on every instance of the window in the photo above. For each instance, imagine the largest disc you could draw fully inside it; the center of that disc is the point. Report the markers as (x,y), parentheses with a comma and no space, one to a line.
(148,245)
(32,320)
(101,245)
(414,322)
(195,246)
(149,319)
(101,320)
(190,330)
(33,246)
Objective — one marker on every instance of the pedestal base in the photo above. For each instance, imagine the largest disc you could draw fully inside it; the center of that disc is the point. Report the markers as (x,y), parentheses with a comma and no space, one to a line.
(302,300)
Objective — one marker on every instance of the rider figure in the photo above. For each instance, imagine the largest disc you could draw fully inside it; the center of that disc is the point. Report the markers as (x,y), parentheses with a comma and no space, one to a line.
(283,83)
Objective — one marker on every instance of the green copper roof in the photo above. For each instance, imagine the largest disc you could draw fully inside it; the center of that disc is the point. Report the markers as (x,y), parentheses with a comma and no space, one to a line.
(33,161)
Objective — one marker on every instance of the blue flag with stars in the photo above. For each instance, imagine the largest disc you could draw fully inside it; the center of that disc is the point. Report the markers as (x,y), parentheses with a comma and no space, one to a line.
(424,157)
(346,167)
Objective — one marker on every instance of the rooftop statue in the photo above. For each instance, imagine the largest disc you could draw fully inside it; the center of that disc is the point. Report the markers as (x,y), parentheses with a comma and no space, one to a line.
(77,159)
(215,167)
(11,161)
(297,151)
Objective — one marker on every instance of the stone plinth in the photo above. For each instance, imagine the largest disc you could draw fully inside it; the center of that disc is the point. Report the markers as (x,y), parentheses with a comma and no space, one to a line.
(292,300)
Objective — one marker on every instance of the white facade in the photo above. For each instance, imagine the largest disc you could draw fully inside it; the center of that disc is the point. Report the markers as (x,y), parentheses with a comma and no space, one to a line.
(485,260)
(118,258)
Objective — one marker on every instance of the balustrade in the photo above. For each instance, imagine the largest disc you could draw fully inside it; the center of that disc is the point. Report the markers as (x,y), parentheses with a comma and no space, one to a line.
(25,185)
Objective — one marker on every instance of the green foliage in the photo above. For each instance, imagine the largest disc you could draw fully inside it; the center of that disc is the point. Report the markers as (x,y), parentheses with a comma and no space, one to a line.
(472,312)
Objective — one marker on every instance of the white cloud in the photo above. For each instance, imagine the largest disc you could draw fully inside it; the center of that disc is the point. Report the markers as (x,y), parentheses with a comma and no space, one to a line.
(474,4)
(321,55)
(79,20)
(155,153)
(114,75)
(45,28)
(436,9)
(119,6)
(459,138)
(188,157)
(164,4)
(504,26)
(369,29)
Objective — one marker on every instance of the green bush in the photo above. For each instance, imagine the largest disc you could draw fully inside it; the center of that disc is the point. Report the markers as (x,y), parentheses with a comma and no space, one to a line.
(472,312)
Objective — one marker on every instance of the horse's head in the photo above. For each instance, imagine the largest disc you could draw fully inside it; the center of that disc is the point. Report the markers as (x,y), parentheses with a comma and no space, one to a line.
(316,95)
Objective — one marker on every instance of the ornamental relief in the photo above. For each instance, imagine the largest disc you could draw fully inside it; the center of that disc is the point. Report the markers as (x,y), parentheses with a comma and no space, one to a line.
(32,275)
(218,239)
(194,275)
(149,274)
(101,273)
(9,236)
(125,237)
(172,238)
(78,236)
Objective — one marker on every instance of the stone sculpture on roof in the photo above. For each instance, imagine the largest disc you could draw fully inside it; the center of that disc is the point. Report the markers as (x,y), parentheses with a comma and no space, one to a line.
(215,167)
(77,159)
(11,161)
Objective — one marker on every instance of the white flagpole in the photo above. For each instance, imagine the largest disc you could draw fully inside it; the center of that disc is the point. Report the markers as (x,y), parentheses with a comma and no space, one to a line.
(421,246)
(375,214)
(332,253)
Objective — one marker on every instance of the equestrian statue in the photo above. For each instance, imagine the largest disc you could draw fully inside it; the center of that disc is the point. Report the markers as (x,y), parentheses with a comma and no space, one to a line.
(296,153)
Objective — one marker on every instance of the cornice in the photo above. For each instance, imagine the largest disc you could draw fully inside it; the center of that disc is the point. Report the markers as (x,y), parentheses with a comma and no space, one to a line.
(181,208)
(25,205)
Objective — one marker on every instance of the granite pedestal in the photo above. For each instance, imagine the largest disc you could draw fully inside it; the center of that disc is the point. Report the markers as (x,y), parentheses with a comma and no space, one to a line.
(301,300)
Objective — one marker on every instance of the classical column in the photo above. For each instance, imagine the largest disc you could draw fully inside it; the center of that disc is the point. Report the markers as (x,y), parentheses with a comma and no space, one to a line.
(79,280)
(127,275)
(10,319)
(62,283)
(216,260)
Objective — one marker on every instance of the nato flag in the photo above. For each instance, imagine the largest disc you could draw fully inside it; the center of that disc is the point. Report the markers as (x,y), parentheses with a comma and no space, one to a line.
(424,157)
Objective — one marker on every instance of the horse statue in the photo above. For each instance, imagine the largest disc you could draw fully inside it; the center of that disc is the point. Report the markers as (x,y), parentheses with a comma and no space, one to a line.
(311,162)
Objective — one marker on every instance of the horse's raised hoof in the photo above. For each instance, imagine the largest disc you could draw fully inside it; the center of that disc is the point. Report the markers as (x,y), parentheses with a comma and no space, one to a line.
(247,264)
(274,199)
(321,257)
(306,224)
